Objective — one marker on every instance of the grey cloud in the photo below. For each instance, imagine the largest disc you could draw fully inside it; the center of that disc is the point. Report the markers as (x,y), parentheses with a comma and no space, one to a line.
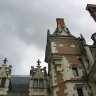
(25,22)
(36,16)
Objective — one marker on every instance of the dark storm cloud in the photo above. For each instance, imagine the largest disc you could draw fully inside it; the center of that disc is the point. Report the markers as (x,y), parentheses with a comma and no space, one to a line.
(29,22)
(33,18)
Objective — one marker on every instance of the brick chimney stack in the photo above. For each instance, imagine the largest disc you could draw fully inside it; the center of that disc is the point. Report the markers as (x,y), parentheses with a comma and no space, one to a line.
(60,21)
(92,10)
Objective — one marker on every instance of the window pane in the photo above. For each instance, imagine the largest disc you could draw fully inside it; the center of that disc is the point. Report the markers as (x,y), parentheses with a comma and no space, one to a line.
(41,83)
(0,80)
(80,92)
(75,72)
(3,82)
(35,83)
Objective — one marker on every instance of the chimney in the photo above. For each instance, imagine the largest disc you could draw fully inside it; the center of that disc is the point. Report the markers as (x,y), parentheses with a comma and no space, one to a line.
(92,10)
(60,21)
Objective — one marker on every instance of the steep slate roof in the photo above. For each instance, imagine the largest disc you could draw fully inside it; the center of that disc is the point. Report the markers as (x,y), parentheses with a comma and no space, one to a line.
(19,86)
(93,50)
(18,94)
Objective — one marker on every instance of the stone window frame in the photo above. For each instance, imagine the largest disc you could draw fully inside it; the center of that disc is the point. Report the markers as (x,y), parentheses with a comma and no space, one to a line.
(2,82)
(58,66)
(57,63)
(37,83)
(75,71)
(41,83)
(77,66)
(78,91)
(79,86)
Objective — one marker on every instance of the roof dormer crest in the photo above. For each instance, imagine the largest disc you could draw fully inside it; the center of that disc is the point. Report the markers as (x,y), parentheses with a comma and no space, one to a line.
(38,63)
(4,62)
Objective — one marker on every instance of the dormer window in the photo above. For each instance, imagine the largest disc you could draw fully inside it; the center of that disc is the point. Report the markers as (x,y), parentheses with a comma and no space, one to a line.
(35,83)
(41,83)
(2,82)
(38,83)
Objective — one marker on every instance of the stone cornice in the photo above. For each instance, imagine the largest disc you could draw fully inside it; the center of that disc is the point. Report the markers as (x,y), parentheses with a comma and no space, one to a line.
(64,40)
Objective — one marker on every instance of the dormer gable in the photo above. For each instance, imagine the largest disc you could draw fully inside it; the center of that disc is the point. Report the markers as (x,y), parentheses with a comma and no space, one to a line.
(38,80)
(38,74)
(3,72)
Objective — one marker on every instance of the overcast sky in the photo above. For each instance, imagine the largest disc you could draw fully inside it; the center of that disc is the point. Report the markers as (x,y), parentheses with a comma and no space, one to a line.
(24,24)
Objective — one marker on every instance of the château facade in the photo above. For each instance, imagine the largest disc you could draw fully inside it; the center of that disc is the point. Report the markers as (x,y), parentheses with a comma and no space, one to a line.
(71,67)
(70,62)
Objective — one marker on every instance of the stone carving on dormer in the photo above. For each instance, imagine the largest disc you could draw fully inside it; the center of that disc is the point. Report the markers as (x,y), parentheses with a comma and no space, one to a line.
(5,74)
(38,73)
(5,60)
(38,80)
(5,70)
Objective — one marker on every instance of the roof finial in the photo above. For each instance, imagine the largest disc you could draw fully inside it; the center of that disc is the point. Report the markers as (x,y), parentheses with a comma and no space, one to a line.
(5,61)
(38,62)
